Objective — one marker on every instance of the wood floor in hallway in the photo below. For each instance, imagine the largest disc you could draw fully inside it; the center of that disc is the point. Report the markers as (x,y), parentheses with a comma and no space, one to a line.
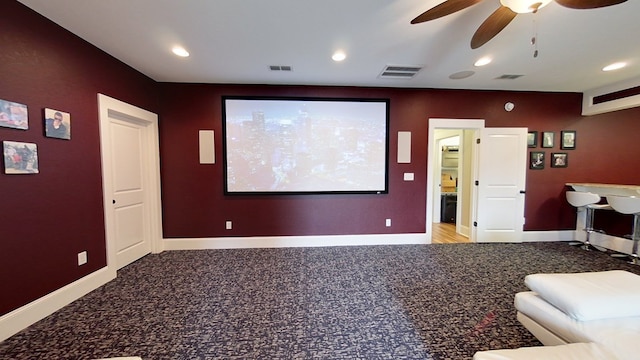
(445,233)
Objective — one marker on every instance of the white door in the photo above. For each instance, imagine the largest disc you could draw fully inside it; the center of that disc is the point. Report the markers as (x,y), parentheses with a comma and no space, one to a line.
(502,160)
(132,240)
(130,180)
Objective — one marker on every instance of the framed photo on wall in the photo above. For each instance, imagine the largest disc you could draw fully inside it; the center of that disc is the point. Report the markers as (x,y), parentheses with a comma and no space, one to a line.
(536,160)
(57,124)
(568,140)
(548,139)
(559,160)
(532,139)
(20,157)
(13,115)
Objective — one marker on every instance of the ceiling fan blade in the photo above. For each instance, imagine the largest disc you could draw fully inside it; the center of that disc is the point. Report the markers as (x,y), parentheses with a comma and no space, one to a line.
(492,26)
(588,4)
(446,8)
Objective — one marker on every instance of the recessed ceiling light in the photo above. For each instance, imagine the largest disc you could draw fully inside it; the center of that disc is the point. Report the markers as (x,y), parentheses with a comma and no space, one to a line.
(339,56)
(614,66)
(461,75)
(180,51)
(482,61)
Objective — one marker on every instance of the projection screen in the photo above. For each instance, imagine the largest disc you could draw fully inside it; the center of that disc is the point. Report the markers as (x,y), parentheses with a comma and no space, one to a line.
(305,145)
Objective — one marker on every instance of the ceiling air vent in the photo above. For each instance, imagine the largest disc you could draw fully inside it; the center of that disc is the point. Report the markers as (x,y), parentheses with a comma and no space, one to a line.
(399,71)
(508,77)
(280,68)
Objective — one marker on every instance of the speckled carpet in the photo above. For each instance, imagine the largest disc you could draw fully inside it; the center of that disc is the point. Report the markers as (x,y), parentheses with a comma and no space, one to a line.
(370,302)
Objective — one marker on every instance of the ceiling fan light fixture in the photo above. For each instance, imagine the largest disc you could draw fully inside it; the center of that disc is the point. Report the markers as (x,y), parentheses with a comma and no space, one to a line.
(524,6)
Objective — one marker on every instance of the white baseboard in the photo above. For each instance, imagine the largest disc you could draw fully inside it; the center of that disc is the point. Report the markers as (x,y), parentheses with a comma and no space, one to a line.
(19,319)
(548,236)
(606,241)
(611,242)
(332,240)
(465,230)
(293,241)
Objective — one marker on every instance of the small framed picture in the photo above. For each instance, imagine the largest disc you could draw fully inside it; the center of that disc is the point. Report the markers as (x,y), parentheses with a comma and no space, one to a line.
(568,140)
(13,115)
(536,160)
(57,124)
(532,139)
(548,139)
(559,160)
(20,157)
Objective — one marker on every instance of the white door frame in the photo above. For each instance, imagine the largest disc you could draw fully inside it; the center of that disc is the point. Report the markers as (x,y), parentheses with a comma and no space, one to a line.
(432,151)
(110,107)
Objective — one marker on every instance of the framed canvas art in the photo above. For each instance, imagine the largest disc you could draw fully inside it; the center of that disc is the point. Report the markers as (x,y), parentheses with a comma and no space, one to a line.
(548,138)
(13,115)
(536,160)
(532,139)
(20,157)
(57,124)
(568,140)
(559,160)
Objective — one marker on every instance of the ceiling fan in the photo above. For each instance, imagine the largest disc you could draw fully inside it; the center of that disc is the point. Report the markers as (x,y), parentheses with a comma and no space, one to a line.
(508,10)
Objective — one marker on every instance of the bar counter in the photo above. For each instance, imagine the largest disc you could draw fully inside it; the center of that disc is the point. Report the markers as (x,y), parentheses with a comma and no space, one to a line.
(607,189)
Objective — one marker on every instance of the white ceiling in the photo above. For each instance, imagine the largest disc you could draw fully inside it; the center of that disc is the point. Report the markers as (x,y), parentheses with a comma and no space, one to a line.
(235,41)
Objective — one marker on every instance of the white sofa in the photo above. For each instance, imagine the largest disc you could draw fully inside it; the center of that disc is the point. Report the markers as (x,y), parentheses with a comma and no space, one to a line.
(578,351)
(592,315)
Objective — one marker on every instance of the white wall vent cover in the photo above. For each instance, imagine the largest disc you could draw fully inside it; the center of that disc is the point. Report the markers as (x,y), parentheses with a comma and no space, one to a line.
(618,96)
(400,71)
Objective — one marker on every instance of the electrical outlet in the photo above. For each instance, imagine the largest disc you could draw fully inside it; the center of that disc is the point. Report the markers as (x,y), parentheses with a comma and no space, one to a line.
(387,223)
(229,225)
(82,258)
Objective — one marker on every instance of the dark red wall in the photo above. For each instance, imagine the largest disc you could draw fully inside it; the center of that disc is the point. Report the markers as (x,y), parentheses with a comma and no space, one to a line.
(194,204)
(48,218)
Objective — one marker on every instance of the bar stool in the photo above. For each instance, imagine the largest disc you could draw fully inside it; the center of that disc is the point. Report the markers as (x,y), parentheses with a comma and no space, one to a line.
(629,205)
(589,202)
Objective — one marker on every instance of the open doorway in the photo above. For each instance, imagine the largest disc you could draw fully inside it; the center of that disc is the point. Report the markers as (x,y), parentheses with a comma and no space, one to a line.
(450,172)
(494,200)
(448,224)
(452,193)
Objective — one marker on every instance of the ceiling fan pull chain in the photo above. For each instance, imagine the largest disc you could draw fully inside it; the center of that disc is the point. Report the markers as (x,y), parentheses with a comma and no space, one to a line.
(534,38)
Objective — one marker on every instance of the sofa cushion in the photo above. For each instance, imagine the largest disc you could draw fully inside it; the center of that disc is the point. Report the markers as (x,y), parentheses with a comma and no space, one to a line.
(577,351)
(591,295)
